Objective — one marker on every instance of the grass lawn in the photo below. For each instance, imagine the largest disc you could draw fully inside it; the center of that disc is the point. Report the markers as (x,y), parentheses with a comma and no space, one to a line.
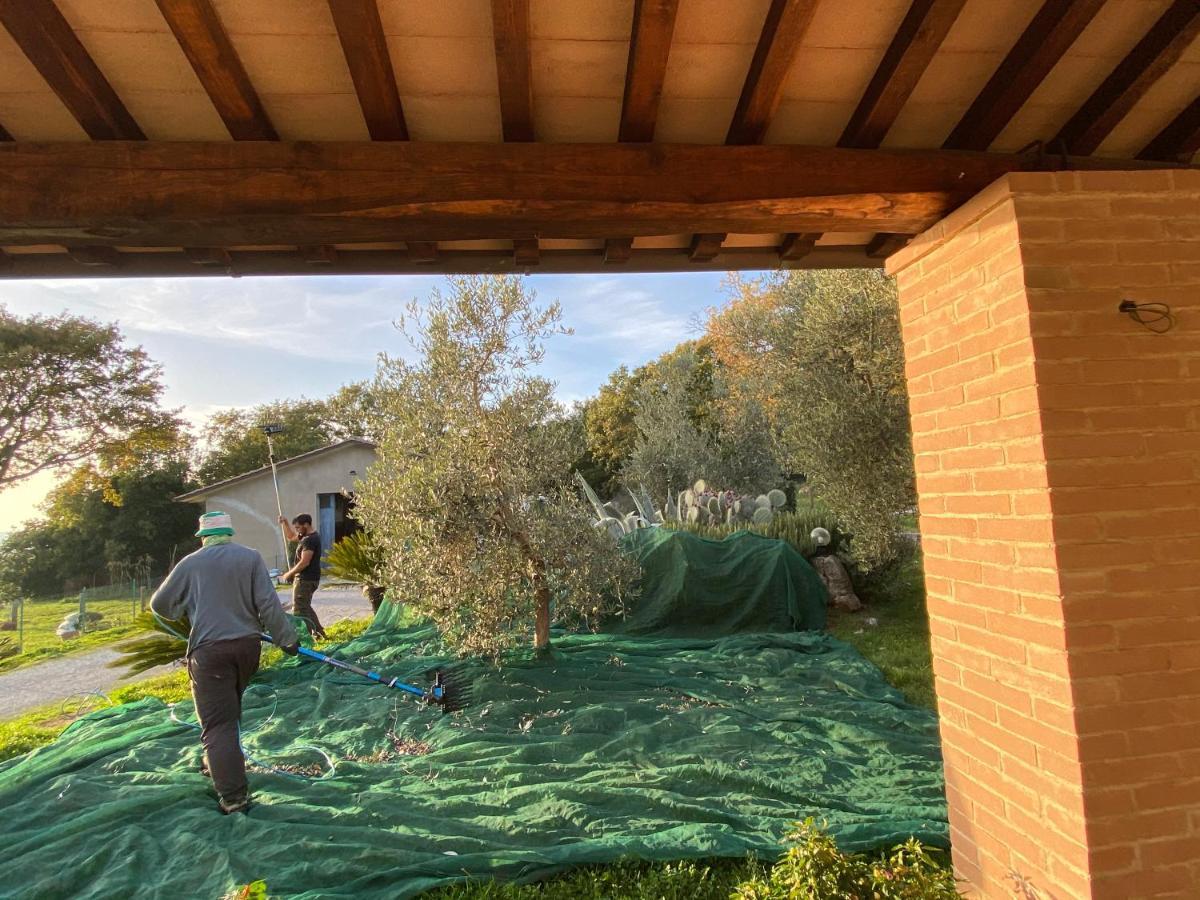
(42,617)
(898,644)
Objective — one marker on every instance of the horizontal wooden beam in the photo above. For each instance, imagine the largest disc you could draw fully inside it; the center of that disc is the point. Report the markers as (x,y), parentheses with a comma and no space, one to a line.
(208,256)
(884,245)
(251,193)
(160,264)
(49,42)
(320,255)
(422,251)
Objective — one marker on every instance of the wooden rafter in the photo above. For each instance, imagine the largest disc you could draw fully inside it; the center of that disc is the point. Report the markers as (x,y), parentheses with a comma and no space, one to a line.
(202,37)
(1039,48)
(48,41)
(706,246)
(422,251)
(95,256)
(921,32)
(209,256)
(784,28)
(510,27)
(797,246)
(617,250)
(260,193)
(319,255)
(649,47)
(1148,61)
(1180,140)
(884,245)
(526,252)
(366,51)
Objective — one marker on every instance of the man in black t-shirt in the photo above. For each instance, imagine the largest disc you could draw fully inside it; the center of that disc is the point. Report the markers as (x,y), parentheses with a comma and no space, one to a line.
(307,569)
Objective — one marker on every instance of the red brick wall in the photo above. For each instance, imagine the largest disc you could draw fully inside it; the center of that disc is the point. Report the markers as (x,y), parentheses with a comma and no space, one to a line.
(1058,470)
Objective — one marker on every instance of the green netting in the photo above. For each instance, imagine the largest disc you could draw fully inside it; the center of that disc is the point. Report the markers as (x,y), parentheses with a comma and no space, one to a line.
(614,746)
(694,586)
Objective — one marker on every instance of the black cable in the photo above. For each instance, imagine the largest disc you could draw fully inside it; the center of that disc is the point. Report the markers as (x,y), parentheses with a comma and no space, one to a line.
(1156,317)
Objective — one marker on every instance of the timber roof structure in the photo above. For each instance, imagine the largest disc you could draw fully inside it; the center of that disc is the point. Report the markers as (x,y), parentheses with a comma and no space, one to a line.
(193,137)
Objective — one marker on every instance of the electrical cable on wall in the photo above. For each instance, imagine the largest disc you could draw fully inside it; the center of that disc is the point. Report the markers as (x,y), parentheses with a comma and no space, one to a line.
(1156,317)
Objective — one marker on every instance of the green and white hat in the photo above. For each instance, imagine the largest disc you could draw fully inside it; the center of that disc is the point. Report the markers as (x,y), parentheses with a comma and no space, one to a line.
(215,523)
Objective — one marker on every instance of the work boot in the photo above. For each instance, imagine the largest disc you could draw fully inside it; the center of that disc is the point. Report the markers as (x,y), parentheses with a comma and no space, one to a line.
(239,804)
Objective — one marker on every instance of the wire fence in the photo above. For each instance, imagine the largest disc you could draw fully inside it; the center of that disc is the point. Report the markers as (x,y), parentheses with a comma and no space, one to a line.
(36,627)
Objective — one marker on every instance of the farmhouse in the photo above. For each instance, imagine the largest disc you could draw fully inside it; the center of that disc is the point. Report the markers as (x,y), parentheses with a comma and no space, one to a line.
(319,483)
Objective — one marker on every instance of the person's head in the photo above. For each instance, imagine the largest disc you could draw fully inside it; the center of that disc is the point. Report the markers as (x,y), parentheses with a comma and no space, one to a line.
(215,524)
(303,524)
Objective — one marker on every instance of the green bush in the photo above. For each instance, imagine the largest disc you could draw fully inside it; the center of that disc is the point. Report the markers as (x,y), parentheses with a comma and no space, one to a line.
(815,868)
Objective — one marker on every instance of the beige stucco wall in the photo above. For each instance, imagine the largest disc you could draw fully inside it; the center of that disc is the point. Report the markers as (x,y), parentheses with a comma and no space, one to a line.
(251,502)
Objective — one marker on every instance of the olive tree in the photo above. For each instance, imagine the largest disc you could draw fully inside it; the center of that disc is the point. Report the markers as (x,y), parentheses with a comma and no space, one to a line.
(469,499)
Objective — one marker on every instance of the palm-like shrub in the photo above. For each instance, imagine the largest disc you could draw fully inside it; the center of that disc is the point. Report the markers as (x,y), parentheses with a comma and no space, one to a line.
(357,559)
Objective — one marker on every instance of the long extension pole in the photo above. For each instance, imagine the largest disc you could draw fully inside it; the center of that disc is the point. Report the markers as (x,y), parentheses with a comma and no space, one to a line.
(278,500)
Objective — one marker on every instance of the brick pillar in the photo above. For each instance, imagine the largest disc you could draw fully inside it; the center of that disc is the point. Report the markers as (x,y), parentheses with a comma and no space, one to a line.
(1058,470)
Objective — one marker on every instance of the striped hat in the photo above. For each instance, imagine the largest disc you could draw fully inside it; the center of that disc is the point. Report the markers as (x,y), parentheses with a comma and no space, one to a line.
(215,523)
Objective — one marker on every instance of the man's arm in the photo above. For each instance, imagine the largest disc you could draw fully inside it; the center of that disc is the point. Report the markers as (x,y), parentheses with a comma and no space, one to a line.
(170,598)
(305,558)
(270,613)
(288,531)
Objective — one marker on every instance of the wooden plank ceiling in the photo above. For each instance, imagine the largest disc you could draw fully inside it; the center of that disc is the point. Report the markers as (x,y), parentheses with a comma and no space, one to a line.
(177,137)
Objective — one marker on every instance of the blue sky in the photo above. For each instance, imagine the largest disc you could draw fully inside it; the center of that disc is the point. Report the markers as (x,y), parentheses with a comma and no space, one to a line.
(238,342)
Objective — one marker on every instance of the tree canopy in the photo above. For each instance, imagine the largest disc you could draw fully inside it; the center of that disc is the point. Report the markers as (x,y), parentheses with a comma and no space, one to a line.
(469,499)
(73,391)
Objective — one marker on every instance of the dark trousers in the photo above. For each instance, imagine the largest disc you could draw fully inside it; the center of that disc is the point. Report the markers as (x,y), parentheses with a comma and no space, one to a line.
(219,673)
(302,596)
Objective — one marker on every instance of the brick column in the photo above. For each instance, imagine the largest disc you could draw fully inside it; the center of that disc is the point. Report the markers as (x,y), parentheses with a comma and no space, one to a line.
(1058,470)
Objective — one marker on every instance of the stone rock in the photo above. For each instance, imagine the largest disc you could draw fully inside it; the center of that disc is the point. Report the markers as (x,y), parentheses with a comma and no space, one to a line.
(837,582)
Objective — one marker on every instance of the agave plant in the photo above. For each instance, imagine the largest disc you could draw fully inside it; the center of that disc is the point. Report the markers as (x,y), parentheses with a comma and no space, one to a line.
(355,558)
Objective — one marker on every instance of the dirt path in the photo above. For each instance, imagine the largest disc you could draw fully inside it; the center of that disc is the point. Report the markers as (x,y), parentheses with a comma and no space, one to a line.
(59,679)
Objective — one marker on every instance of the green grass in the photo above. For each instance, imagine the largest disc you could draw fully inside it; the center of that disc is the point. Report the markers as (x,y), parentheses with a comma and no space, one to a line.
(899,643)
(42,617)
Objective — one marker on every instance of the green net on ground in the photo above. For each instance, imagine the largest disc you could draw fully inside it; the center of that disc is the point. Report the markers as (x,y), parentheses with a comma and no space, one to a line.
(694,586)
(614,746)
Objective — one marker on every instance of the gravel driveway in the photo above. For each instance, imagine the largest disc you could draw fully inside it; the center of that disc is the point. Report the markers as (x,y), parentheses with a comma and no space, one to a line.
(60,679)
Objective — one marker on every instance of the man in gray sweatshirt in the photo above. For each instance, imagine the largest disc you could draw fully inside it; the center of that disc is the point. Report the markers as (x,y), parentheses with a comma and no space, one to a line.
(225,592)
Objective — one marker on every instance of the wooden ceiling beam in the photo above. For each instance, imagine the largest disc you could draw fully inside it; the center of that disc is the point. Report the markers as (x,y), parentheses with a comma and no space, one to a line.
(1039,48)
(617,250)
(884,245)
(1158,50)
(422,251)
(526,252)
(202,37)
(797,246)
(254,193)
(365,48)
(921,32)
(50,44)
(510,28)
(649,48)
(319,255)
(95,256)
(706,246)
(1180,140)
(208,256)
(784,28)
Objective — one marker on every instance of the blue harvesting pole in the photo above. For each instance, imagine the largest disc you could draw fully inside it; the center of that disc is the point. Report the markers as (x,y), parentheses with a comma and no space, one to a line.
(396,683)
